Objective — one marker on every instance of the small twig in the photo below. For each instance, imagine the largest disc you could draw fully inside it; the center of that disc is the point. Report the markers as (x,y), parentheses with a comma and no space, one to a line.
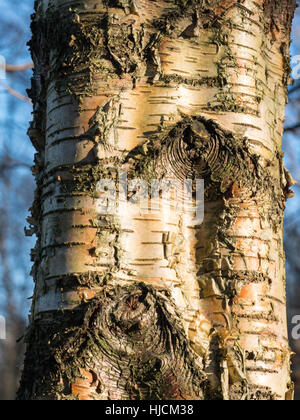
(10,68)
(13,165)
(295,88)
(292,128)
(15,93)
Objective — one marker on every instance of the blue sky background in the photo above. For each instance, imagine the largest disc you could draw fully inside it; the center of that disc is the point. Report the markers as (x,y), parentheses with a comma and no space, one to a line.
(16,185)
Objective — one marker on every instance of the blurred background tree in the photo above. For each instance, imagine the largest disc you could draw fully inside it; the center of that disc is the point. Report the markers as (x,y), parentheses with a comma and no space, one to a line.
(17,187)
(291,147)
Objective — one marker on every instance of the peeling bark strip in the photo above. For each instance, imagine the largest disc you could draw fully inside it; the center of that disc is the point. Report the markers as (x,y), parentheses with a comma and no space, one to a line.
(151,306)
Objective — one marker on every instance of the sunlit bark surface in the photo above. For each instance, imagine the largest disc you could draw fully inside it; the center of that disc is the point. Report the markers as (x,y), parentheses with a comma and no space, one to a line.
(152,306)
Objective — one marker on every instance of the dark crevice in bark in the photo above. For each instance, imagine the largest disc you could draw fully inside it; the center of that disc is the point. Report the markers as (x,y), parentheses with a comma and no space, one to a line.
(130,338)
(199,148)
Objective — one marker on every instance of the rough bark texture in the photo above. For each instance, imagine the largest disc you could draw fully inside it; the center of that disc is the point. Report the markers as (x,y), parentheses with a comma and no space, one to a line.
(152,307)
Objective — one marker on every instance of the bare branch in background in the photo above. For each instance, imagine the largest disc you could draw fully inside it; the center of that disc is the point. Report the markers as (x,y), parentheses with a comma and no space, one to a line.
(10,164)
(10,68)
(292,129)
(15,93)
(294,89)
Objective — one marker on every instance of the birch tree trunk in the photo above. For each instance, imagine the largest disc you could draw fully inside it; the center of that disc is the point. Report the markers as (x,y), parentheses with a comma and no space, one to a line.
(152,306)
